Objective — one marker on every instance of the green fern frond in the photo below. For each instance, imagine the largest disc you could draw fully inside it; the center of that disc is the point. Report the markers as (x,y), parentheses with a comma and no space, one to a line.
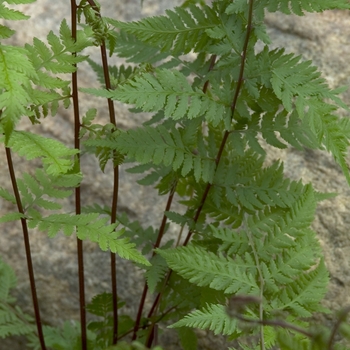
(55,156)
(333,136)
(89,226)
(292,78)
(180,31)
(57,57)
(168,90)
(212,317)
(159,145)
(204,268)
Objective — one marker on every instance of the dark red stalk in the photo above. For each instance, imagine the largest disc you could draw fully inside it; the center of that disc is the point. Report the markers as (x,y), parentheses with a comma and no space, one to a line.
(80,253)
(27,249)
(115,185)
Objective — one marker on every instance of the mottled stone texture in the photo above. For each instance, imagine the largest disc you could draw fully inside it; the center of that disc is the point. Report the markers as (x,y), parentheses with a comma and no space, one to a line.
(324,38)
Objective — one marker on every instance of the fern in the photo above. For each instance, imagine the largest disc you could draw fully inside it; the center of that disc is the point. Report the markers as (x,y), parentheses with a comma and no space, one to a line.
(249,256)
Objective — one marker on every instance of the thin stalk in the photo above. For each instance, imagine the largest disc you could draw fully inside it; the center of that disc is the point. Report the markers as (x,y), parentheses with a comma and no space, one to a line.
(114,197)
(223,142)
(156,245)
(27,249)
(115,184)
(80,252)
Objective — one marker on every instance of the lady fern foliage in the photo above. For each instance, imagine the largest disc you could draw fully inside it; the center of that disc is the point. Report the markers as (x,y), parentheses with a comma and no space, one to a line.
(246,263)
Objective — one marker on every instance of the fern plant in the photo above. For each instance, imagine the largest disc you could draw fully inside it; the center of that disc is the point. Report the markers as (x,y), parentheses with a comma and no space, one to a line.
(246,263)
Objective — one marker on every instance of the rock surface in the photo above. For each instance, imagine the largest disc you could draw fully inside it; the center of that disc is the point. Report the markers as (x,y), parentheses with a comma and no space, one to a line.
(324,38)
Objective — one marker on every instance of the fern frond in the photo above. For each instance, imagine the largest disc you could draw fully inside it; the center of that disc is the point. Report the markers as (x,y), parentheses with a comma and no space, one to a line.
(204,268)
(213,317)
(89,226)
(168,90)
(55,156)
(332,135)
(180,31)
(292,78)
(159,145)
